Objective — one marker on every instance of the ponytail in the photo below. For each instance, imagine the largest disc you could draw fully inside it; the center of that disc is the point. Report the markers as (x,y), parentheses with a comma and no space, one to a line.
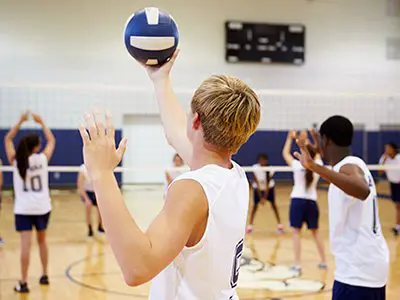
(22,156)
(24,150)
(309,178)
(310,174)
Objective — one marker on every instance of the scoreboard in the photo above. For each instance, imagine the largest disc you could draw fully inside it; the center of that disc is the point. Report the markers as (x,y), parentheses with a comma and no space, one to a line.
(265,43)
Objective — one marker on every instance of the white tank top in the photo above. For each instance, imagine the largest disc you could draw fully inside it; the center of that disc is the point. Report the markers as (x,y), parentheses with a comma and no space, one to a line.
(300,190)
(262,178)
(357,242)
(210,269)
(32,196)
(88,184)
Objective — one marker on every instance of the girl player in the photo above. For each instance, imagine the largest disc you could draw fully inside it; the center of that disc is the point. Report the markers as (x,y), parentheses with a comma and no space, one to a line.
(85,189)
(170,175)
(392,157)
(303,207)
(32,198)
(264,190)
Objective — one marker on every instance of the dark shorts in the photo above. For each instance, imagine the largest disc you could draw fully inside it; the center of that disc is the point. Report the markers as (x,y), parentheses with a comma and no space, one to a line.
(304,211)
(342,291)
(92,197)
(27,222)
(395,190)
(270,197)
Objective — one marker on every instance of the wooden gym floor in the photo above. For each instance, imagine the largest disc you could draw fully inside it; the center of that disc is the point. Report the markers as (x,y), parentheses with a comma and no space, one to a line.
(82,268)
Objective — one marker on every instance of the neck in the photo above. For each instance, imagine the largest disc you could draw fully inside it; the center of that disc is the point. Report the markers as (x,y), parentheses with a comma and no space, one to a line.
(338,153)
(206,156)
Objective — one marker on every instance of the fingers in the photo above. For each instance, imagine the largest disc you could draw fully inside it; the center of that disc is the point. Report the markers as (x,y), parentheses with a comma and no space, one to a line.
(110,126)
(99,123)
(122,148)
(91,125)
(84,134)
(297,155)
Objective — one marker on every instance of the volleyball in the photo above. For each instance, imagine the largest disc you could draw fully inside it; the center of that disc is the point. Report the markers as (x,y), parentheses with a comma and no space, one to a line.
(151,36)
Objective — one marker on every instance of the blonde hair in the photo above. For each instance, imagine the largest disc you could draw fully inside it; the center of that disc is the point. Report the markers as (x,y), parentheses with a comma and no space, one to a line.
(229,111)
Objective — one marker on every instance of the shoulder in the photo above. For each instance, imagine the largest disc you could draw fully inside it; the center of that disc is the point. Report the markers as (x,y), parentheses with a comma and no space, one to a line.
(40,156)
(397,157)
(187,194)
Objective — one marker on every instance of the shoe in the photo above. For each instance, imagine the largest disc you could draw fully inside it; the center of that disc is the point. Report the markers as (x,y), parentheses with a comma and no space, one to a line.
(322,266)
(1,241)
(21,288)
(101,230)
(44,280)
(280,229)
(296,269)
(249,229)
(395,231)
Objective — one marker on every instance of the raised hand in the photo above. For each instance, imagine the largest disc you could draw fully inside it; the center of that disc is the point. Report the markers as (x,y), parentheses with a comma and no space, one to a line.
(316,141)
(160,73)
(24,117)
(99,151)
(304,155)
(38,119)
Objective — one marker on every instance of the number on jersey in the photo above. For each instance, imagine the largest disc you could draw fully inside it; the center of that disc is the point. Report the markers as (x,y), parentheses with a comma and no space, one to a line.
(36,184)
(236,263)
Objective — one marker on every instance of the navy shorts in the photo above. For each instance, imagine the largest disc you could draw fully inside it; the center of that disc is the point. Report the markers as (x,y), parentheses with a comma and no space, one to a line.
(342,291)
(27,222)
(270,197)
(304,211)
(395,190)
(92,197)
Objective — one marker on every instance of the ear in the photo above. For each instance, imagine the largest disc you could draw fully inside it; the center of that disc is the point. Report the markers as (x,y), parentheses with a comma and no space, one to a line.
(196,123)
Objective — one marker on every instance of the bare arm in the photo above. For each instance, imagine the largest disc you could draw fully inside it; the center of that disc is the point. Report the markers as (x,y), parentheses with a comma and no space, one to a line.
(8,139)
(173,116)
(382,162)
(140,255)
(350,178)
(287,156)
(50,139)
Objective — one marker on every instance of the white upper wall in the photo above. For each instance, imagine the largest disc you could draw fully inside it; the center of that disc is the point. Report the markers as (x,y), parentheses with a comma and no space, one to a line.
(79,42)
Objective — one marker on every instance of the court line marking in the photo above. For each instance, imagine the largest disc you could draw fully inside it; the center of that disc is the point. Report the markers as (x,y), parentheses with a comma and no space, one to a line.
(71,278)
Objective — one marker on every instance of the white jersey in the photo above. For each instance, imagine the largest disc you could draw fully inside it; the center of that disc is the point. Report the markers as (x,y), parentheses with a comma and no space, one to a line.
(32,196)
(357,242)
(209,270)
(300,189)
(262,178)
(392,175)
(88,184)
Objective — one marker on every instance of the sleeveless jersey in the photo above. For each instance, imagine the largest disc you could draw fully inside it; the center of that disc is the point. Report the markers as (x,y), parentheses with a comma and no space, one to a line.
(32,195)
(357,242)
(210,269)
(88,184)
(300,190)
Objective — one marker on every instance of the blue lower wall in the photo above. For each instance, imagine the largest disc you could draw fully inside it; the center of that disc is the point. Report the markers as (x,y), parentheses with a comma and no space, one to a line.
(69,150)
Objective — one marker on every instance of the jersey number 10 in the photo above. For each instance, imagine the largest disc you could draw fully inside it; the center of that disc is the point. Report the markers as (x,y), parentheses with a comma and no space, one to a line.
(36,184)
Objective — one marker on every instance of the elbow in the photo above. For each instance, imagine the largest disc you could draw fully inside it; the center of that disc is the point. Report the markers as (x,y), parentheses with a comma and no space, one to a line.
(131,279)
(363,193)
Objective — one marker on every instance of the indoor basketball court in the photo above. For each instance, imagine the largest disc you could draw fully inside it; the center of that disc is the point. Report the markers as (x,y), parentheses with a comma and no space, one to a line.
(305,60)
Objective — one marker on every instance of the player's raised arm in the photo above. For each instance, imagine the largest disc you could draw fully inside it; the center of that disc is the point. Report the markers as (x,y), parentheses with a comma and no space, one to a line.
(173,116)
(287,156)
(350,178)
(141,256)
(49,136)
(8,139)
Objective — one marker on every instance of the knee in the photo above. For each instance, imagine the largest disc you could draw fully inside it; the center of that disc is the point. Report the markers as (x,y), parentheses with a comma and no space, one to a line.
(41,239)
(296,231)
(314,232)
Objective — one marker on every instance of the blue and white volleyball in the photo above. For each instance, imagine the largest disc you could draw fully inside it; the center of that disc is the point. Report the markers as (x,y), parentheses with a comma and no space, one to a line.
(151,36)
